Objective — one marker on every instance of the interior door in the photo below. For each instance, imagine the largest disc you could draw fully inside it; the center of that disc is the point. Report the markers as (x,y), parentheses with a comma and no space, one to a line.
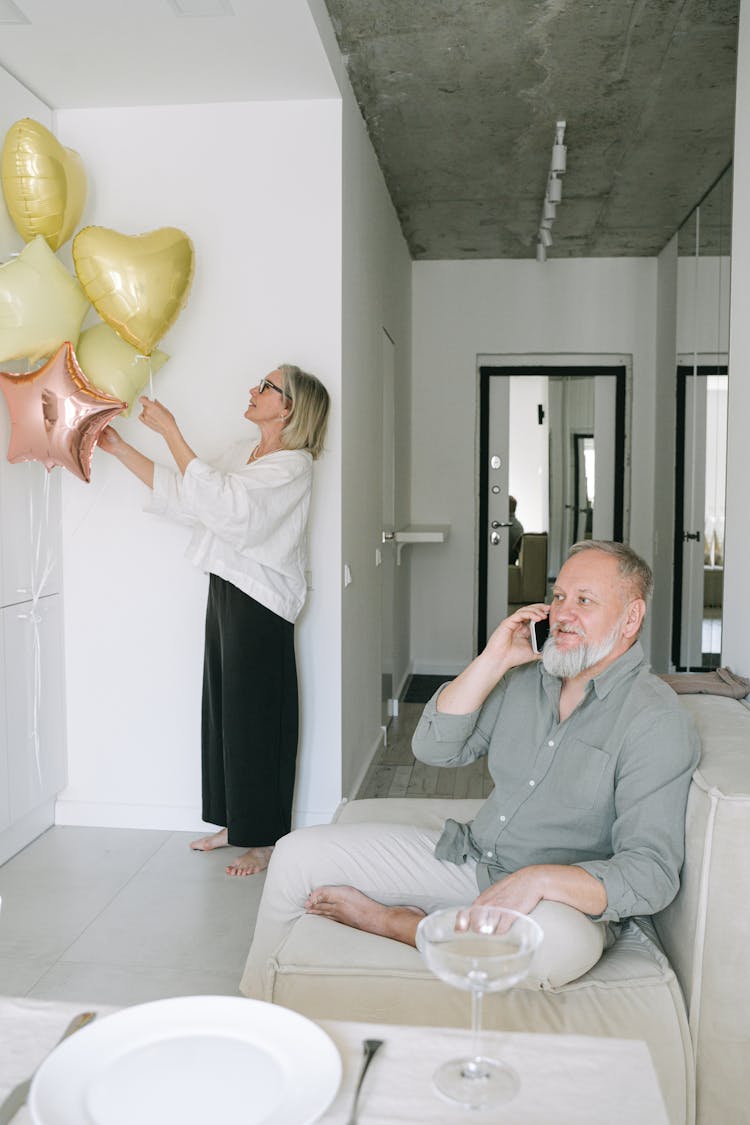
(692,521)
(497,519)
(700,499)
(387,549)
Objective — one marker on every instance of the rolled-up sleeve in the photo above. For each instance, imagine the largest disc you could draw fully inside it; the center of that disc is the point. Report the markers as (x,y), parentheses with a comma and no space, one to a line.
(455,740)
(648,833)
(243,508)
(166,496)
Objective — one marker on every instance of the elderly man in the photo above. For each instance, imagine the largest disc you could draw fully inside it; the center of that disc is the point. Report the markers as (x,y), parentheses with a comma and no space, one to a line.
(591,756)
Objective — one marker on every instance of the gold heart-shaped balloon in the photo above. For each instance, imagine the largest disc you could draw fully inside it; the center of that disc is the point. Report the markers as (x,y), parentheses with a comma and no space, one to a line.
(44,184)
(137,283)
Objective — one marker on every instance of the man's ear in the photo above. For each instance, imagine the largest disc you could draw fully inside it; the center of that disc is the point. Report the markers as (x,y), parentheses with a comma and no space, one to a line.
(634,614)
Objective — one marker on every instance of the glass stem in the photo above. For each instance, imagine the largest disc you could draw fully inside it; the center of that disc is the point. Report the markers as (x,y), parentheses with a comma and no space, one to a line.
(477,996)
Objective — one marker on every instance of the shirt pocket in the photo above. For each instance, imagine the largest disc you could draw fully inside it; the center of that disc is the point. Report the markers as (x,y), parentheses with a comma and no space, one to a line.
(580,773)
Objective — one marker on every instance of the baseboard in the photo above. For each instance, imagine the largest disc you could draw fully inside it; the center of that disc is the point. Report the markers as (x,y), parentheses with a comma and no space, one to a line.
(365,768)
(20,834)
(91,814)
(96,814)
(399,693)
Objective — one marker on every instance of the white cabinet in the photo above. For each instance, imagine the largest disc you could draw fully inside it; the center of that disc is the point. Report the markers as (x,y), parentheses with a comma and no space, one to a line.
(30,506)
(30,515)
(34,713)
(4,779)
(32,726)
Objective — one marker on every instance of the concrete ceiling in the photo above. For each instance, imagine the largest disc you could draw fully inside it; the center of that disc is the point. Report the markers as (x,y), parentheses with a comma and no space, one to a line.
(461,98)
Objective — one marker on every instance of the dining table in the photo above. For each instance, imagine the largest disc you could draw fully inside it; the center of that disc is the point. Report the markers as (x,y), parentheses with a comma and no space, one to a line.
(565,1079)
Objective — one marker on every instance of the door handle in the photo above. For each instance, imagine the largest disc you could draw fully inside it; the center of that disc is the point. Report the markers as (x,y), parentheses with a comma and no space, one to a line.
(496,523)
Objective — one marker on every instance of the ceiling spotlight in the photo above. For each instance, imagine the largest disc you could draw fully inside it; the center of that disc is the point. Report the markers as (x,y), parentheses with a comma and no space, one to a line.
(553,194)
(554,189)
(559,151)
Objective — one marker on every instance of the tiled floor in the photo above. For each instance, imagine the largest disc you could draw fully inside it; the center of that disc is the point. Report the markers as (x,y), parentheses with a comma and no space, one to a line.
(107,915)
(114,916)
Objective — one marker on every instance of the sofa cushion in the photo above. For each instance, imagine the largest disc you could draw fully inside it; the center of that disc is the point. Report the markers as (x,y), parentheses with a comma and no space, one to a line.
(328,971)
(705,930)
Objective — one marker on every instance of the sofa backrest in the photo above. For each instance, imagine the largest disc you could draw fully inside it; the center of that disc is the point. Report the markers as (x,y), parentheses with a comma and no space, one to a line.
(706,930)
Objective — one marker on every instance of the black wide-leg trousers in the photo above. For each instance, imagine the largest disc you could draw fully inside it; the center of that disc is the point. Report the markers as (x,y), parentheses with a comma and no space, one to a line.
(250,717)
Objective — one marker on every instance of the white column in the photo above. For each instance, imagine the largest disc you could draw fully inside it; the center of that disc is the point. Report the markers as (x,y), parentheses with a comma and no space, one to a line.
(736,617)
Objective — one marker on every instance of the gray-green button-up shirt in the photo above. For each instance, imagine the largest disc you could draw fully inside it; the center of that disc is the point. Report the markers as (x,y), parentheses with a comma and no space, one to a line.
(606,790)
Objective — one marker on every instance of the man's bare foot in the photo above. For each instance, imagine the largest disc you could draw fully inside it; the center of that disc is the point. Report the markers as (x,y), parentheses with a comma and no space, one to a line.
(208,843)
(352,908)
(251,862)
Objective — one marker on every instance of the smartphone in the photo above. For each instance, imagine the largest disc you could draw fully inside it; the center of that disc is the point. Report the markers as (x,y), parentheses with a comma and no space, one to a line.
(539,632)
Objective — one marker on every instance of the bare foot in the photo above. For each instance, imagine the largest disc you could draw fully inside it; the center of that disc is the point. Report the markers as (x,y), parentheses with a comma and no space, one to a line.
(208,843)
(352,908)
(251,862)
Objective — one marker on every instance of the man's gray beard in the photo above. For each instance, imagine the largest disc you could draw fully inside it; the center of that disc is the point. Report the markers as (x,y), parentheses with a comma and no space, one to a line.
(566,664)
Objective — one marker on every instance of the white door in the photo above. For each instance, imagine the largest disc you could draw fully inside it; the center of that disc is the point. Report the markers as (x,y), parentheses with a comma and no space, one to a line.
(694,503)
(387,550)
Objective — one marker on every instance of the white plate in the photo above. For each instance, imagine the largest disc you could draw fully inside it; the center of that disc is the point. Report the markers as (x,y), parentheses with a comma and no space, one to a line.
(189,1060)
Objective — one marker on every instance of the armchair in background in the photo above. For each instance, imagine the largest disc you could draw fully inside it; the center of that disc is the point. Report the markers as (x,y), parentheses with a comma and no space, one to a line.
(527,579)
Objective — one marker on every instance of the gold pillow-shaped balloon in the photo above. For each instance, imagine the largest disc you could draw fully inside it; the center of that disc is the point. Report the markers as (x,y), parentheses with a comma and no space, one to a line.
(137,283)
(44,184)
(41,304)
(114,366)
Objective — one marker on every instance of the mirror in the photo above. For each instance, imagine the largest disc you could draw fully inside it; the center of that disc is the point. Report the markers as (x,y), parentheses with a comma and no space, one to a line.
(703,270)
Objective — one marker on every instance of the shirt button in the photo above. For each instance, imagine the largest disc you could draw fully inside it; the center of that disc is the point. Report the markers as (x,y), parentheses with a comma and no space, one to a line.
(502,818)
(488,854)
(550,743)
(532,783)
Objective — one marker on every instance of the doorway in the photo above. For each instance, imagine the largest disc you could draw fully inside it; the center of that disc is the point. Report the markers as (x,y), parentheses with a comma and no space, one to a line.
(552,438)
(700,492)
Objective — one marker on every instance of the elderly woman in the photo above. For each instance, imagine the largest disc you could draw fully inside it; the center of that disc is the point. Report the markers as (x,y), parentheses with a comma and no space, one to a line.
(249,517)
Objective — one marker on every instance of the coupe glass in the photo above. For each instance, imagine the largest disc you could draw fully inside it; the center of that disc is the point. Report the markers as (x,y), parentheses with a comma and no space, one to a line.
(479,949)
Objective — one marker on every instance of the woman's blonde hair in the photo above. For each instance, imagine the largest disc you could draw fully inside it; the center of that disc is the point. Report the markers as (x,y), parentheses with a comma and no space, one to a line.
(308,415)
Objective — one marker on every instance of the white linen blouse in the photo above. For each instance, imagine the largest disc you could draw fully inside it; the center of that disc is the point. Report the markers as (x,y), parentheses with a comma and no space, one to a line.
(249,520)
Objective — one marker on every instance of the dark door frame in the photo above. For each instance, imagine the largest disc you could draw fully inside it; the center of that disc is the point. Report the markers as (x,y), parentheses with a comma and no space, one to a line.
(486,373)
(684,372)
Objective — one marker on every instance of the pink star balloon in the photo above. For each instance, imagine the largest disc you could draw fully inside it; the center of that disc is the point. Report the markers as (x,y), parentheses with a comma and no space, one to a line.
(56,415)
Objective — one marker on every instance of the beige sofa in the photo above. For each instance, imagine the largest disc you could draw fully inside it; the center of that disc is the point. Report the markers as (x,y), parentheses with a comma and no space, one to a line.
(682,983)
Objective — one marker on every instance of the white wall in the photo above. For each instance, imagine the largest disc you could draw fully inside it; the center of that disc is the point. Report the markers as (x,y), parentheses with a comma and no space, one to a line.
(258,189)
(736,638)
(15,102)
(465,309)
(664,463)
(376,295)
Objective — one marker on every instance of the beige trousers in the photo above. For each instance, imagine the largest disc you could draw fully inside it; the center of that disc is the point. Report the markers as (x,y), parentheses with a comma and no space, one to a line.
(395,865)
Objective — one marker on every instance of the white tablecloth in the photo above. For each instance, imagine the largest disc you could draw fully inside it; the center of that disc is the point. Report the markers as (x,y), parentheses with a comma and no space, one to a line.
(565,1079)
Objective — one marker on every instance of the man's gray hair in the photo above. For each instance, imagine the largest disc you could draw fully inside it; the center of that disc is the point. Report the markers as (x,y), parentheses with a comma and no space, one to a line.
(630,566)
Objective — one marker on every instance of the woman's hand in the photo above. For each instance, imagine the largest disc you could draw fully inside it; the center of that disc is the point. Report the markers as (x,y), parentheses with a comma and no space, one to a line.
(162,421)
(157,417)
(111,442)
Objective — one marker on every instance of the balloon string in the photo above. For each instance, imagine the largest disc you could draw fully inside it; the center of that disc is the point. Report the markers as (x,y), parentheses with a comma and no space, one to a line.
(150,379)
(42,565)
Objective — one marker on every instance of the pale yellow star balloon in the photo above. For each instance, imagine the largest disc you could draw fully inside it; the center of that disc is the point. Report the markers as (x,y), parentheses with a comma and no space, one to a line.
(41,304)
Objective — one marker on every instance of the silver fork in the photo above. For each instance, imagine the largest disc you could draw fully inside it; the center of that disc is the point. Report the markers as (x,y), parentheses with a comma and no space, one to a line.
(370,1048)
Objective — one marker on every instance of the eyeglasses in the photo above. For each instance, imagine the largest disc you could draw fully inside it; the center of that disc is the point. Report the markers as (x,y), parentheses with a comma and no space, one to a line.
(267,383)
